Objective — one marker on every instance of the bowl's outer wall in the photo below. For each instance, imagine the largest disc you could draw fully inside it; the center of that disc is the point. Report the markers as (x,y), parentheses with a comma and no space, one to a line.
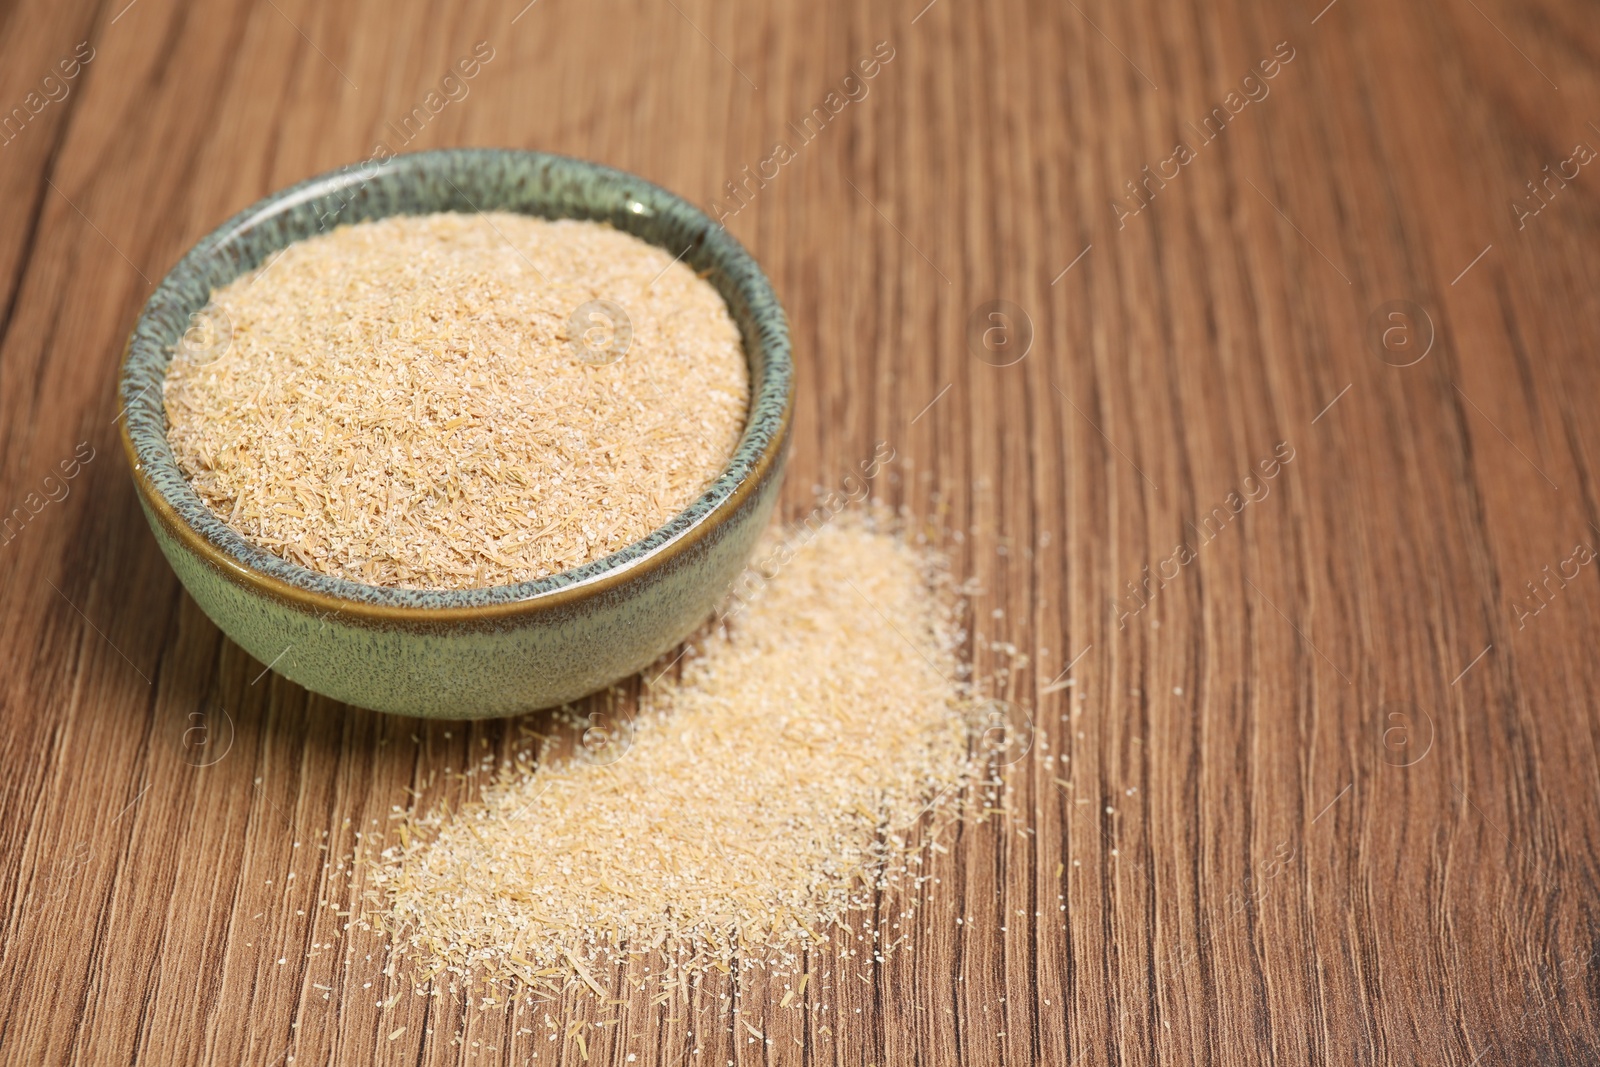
(470,672)
(482,652)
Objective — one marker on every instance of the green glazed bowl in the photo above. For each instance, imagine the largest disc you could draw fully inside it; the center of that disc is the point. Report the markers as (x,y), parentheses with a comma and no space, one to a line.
(472,653)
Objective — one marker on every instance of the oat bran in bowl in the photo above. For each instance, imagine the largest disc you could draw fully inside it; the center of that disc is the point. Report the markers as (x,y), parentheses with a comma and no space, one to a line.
(408,620)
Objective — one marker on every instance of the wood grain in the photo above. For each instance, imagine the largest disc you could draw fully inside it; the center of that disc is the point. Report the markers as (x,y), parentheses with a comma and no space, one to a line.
(1332,789)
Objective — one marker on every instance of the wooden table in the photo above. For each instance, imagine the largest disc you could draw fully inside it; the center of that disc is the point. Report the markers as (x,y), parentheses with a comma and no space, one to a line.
(1332,756)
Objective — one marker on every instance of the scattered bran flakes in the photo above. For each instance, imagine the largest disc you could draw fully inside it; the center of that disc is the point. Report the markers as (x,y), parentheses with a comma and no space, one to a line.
(399,402)
(792,771)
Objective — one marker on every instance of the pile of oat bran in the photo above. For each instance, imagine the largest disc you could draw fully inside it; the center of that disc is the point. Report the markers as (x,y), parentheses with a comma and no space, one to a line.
(797,764)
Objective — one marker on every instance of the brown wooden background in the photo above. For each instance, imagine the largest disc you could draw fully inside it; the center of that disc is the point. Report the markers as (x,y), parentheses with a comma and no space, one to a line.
(1334,793)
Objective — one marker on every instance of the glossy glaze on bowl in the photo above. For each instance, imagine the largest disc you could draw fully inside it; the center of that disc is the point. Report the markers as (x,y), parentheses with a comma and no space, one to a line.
(477,652)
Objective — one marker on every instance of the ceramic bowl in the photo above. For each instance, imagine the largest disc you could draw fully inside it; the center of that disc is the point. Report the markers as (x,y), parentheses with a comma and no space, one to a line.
(471,653)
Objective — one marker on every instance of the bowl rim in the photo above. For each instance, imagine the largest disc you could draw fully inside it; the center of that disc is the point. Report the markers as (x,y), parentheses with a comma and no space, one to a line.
(206,535)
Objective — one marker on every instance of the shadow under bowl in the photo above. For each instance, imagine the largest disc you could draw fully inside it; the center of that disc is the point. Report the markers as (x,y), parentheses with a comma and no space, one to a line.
(469,653)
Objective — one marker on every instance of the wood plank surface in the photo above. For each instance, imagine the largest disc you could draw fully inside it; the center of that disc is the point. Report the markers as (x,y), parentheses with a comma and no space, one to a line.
(1332,756)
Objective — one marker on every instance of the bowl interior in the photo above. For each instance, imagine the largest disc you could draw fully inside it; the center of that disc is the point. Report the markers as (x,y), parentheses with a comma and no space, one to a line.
(460,180)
